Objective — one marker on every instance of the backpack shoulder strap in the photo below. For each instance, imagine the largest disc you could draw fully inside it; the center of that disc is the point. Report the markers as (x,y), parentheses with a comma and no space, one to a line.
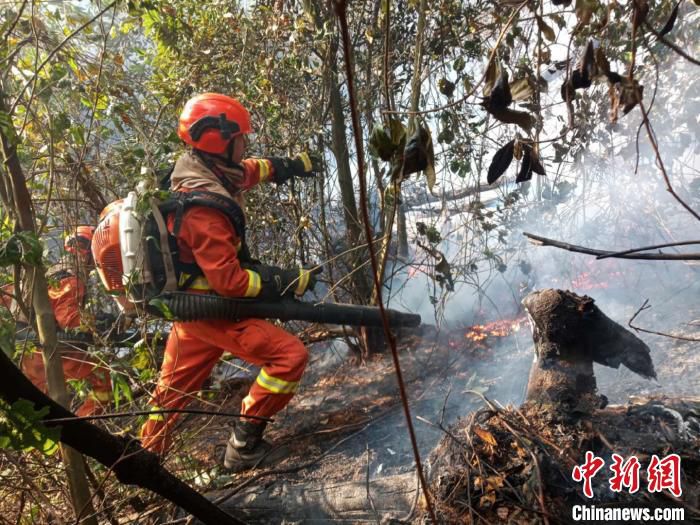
(209,199)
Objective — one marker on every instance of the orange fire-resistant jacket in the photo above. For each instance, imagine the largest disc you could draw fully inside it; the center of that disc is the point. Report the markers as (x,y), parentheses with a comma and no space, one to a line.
(67,297)
(207,237)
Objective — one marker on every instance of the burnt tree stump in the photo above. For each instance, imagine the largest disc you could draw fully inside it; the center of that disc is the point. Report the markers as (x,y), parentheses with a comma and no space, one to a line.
(571,333)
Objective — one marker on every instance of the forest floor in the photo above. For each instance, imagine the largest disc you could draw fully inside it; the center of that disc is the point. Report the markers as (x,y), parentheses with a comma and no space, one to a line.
(346,424)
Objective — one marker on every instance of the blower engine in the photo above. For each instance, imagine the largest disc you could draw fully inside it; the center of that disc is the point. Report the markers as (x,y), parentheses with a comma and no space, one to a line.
(118,251)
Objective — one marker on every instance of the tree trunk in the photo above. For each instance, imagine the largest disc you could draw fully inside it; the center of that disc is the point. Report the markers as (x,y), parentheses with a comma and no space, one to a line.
(347,189)
(570,334)
(386,499)
(46,326)
(124,456)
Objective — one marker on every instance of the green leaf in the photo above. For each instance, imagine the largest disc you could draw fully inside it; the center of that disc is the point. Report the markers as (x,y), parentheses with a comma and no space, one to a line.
(7,127)
(21,247)
(21,428)
(380,144)
(121,389)
(162,307)
(141,359)
(398,133)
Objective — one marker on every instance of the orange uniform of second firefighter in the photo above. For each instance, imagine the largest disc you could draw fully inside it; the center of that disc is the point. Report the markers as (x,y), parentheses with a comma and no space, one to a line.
(67,295)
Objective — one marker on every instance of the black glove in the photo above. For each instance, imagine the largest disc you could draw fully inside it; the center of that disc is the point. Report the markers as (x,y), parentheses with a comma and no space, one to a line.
(277,282)
(303,165)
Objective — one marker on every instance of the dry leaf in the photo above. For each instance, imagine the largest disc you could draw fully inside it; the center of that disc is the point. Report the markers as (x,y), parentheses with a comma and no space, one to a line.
(492,73)
(535,162)
(487,499)
(671,21)
(525,172)
(546,30)
(521,89)
(485,435)
(501,161)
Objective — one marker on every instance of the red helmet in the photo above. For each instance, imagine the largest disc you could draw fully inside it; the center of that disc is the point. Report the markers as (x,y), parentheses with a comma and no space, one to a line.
(210,121)
(79,241)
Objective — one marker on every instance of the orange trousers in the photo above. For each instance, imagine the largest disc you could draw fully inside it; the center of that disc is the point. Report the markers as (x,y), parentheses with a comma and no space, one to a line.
(76,365)
(194,348)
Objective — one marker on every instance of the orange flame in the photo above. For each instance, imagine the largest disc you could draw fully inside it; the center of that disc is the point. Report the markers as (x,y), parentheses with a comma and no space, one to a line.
(502,328)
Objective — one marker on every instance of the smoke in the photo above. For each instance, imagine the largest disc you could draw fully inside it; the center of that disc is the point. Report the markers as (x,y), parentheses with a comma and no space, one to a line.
(612,196)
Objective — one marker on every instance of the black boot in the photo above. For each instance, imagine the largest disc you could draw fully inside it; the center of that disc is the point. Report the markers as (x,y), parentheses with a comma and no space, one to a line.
(246,448)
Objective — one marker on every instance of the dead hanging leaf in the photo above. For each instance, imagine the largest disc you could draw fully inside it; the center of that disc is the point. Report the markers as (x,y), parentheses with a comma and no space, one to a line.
(584,11)
(512,116)
(485,435)
(501,161)
(500,96)
(629,94)
(601,61)
(498,100)
(419,156)
(588,65)
(666,29)
(525,172)
(545,29)
(521,89)
(446,87)
(518,149)
(492,74)
(535,162)
(641,10)
(581,77)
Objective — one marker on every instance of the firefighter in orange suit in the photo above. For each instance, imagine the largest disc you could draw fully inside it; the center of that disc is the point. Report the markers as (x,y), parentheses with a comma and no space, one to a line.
(215,127)
(67,296)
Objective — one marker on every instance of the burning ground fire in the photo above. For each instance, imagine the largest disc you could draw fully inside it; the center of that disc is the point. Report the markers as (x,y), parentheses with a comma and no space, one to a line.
(477,336)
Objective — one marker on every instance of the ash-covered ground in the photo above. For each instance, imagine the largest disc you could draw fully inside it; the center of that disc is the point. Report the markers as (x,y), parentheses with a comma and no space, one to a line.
(347,425)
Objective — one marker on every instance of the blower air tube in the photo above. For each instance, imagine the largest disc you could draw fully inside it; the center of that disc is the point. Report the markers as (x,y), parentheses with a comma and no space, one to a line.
(183,306)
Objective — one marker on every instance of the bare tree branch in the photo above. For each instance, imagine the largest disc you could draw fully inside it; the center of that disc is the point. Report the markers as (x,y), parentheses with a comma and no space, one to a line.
(544,241)
(645,248)
(646,306)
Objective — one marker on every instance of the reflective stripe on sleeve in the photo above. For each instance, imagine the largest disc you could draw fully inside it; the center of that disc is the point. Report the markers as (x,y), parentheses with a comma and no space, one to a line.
(302,283)
(275,384)
(264,169)
(308,166)
(156,417)
(254,284)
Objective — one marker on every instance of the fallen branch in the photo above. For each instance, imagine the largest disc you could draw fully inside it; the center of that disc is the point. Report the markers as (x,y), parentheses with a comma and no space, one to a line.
(646,248)
(544,241)
(55,421)
(646,306)
(123,455)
